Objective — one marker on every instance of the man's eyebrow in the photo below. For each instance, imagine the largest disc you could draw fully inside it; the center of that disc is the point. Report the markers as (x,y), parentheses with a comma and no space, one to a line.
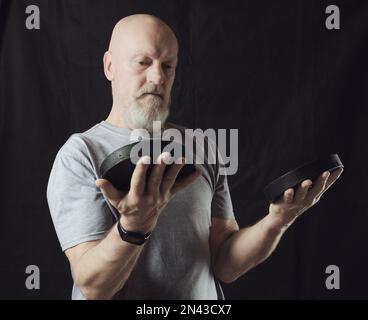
(142,54)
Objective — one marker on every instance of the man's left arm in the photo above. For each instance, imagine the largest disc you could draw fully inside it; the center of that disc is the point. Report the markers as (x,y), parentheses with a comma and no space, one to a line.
(234,251)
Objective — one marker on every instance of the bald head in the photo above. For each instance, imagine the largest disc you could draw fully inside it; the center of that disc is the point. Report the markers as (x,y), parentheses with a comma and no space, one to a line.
(140,63)
(129,29)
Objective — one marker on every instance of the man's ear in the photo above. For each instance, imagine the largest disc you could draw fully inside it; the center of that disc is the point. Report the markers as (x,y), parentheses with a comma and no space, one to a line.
(108,68)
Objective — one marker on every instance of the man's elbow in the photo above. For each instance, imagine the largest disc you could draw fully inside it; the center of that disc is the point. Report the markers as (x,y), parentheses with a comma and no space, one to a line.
(227,279)
(92,293)
(91,290)
(225,276)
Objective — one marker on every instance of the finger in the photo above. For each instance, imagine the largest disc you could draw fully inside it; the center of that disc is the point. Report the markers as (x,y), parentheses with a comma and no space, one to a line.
(319,186)
(109,191)
(171,175)
(333,177)
(180,185)
(288,195)
(330,181)
(154,181)
(325,177)
(138,180)
(302,191)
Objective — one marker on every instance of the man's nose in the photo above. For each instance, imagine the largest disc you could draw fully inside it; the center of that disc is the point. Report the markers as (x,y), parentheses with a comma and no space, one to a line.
(156,75)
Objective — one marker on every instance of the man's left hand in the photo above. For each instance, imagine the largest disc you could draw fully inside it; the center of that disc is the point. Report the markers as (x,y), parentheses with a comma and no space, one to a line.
(293,203)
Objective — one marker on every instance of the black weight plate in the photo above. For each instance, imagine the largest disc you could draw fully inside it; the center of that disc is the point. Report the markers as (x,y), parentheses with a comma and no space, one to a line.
(291,179)
(118,166)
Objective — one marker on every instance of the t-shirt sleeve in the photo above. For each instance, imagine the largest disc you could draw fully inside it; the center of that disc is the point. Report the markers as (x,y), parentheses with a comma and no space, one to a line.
(78,209)
(221,206)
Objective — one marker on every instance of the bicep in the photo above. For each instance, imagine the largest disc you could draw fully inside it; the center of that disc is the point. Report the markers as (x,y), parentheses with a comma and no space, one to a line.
(220,230)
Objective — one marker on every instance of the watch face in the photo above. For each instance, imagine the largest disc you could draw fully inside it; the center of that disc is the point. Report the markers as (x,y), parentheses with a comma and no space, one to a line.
(132,237)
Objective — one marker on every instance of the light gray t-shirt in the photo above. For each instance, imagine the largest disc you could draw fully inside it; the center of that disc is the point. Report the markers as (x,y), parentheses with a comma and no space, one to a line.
(175,262)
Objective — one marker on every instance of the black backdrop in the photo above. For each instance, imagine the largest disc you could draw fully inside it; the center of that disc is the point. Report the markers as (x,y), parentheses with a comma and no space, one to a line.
(271,69)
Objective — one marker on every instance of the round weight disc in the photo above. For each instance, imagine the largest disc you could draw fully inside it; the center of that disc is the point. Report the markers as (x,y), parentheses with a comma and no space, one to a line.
(311,171)
(118,166)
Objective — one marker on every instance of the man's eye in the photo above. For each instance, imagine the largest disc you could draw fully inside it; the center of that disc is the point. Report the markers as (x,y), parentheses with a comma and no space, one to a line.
(166,66)
(143,63)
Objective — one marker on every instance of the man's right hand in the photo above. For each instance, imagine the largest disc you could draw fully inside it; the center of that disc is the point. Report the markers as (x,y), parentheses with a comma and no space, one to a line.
(142,205)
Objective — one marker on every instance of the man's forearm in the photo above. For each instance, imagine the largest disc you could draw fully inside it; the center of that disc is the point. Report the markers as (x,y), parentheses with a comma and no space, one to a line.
(246,248)
(104,269)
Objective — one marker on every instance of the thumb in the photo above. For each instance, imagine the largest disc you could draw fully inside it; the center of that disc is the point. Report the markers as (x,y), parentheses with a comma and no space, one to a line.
(109,191)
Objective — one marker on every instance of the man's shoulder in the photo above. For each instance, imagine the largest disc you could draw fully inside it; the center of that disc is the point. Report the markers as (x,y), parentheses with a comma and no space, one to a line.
(81,142)
(73,151)
(77,143)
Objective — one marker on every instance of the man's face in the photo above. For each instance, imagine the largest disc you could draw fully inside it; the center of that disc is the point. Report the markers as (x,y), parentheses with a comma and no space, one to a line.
(144,66)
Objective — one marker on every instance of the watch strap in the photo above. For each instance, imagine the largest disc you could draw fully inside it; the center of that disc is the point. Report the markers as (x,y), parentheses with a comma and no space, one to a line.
(133,237)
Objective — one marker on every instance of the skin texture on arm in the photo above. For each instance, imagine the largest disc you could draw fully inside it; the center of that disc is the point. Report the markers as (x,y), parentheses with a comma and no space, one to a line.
(100,268)
(234,251)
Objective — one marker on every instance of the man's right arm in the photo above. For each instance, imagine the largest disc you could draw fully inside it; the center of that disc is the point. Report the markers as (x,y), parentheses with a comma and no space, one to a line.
(101,268)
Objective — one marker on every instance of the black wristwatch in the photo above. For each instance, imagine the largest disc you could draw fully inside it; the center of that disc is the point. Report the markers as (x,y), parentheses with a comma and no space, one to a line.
(131,236)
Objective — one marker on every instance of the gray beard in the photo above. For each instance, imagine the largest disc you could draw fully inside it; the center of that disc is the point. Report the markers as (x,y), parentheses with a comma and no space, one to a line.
(141,115)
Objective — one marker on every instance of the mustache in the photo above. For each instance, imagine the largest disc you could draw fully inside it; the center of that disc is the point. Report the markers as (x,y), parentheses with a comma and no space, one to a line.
(151,89)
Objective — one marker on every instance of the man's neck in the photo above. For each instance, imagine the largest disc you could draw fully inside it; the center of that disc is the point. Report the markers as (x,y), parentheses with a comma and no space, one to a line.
(116,121)
(120,123)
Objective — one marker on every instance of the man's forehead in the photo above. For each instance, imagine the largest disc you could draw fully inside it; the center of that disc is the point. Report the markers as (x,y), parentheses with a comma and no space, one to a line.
(166,52)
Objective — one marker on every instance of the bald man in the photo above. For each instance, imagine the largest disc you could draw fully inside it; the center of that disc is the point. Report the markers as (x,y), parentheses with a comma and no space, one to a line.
(188,233)
(140,94)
